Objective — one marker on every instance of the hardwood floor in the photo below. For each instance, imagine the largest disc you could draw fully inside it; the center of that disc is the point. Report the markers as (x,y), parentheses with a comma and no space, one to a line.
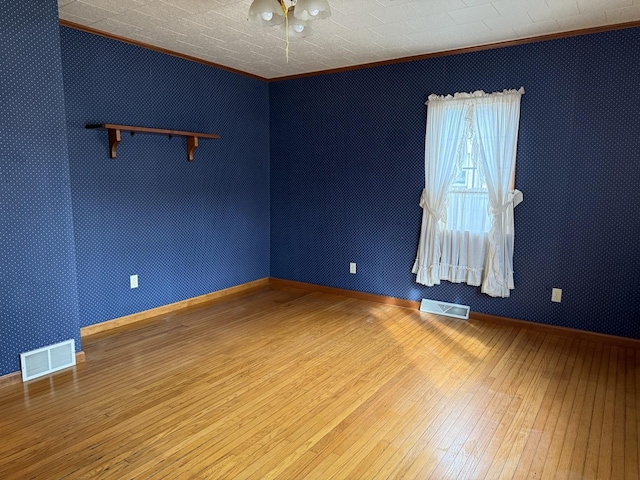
(284,383)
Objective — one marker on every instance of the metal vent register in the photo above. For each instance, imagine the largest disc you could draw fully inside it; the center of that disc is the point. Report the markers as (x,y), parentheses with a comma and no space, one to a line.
(42,361)
(454,310)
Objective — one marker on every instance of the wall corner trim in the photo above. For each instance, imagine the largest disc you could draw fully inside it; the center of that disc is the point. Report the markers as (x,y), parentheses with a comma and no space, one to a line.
(172,307)
(480,317)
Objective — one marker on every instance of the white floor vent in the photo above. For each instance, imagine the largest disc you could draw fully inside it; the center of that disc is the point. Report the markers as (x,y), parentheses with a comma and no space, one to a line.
(443,308)
(48,359)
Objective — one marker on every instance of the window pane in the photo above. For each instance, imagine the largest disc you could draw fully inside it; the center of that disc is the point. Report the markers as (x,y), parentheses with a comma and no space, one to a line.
(461,180)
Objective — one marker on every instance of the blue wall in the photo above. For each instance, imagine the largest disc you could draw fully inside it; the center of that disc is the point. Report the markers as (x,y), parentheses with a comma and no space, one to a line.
(337,180)
(347,169)
(186,228)
(38,291)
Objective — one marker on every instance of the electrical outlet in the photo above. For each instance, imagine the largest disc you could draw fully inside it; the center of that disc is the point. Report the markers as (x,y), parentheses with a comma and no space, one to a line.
(352,267)
(556,295)
(133,281)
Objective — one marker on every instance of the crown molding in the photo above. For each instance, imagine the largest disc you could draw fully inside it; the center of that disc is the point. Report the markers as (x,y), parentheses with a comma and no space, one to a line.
(477,48)
(84,28)
(425,56)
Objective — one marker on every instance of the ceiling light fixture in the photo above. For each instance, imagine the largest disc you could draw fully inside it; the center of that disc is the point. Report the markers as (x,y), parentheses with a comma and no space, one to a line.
(296,17)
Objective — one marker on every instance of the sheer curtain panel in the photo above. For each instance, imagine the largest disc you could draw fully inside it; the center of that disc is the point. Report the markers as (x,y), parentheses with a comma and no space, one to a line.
(496,121)
(467,221)
(443,148)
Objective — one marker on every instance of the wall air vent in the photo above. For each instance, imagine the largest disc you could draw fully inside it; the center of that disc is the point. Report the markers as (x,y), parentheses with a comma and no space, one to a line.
(48,359)
(443,308)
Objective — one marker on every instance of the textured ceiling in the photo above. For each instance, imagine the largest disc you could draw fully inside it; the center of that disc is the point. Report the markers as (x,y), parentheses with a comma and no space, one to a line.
(358,32)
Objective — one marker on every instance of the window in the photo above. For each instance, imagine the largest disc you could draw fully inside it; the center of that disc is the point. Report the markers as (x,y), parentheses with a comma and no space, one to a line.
(468,197)
(468,200)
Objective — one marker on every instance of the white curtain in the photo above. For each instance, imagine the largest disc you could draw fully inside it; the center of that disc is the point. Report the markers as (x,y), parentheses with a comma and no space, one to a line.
(496,120)
(466,234)
(443,149)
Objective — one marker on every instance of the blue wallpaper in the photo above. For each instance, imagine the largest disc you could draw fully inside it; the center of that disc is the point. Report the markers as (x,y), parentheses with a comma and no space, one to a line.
(310,174)
(347,169)
(186,228)
(38,291)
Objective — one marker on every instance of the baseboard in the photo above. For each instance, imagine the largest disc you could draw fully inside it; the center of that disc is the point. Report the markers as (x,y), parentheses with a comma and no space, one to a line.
(10,379)
(16,377)
(481,317)
(172,307)
(557,330)
(371,297)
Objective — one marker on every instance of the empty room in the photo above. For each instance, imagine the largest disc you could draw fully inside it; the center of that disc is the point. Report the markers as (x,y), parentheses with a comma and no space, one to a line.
(331,239)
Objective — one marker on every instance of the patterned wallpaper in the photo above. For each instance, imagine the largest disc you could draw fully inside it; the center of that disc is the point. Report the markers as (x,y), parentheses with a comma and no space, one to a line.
(345,184)
(336,181)
(185,228)
(38,291)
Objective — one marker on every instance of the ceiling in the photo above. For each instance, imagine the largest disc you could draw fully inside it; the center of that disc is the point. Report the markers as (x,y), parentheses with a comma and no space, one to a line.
(358,32)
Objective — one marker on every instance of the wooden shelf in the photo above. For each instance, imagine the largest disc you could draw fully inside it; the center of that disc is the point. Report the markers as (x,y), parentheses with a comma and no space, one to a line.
(114,135)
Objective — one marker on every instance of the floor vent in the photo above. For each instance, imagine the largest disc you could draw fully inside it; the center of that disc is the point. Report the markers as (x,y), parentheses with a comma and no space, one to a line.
(48,359)
(443,308)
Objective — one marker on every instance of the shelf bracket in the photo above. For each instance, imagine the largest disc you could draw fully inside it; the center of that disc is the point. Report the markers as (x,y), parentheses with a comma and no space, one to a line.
(114,140)
(192,144)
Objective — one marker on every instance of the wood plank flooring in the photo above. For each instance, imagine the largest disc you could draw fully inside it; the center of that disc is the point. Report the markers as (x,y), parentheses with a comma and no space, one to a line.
(284,383)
